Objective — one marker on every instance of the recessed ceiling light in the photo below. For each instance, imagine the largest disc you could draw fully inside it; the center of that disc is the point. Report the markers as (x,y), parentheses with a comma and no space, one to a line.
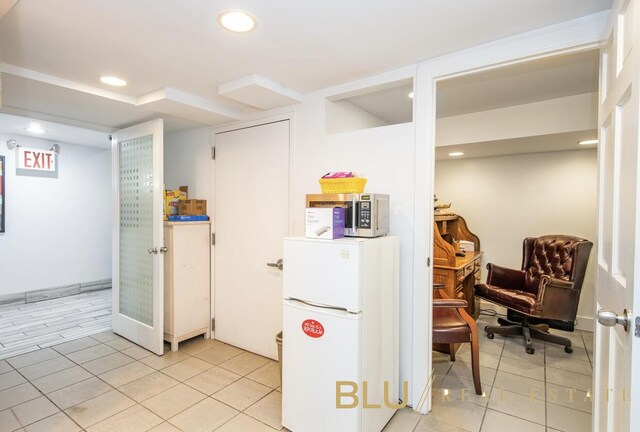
(588,142)
(237,21)
(35,128)
(113,81)
(411,95)
(454,154)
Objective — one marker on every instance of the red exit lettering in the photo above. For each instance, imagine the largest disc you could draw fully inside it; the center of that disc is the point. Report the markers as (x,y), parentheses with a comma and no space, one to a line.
(37,160)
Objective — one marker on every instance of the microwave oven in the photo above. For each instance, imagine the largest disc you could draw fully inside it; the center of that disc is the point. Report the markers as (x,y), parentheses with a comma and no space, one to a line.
(366,215)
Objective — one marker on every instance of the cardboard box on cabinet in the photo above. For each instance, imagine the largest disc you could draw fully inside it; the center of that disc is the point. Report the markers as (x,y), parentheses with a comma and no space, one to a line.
(193,207)
(172,199)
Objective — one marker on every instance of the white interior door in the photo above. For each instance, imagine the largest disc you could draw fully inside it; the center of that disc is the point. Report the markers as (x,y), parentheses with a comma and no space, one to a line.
(137,234)
(251,219)
(617,356)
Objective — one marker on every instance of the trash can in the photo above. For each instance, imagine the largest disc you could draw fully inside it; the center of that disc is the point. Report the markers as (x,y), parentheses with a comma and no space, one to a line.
(279,343)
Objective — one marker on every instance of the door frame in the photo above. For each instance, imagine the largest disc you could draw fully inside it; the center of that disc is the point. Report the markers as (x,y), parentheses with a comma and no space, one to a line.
(244,125)
(572,36)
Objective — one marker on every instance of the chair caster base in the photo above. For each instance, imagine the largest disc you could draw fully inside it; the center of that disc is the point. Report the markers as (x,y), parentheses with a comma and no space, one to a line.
(490,335)
(530,350)
(568,350)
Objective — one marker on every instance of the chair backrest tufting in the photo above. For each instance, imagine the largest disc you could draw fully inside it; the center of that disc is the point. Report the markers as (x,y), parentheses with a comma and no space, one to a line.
(552,255)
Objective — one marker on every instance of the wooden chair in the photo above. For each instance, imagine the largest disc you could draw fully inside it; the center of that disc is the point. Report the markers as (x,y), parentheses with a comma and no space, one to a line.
(453,325)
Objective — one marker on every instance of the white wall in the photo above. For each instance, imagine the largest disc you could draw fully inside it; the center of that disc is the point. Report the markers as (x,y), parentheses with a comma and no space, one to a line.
(505,199)
(343,116)
(58,230)
(567,114)
(187,162)
(384,155)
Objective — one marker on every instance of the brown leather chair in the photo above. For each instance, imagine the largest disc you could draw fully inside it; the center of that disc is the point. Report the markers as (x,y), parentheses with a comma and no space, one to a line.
(453,325)
(547,287)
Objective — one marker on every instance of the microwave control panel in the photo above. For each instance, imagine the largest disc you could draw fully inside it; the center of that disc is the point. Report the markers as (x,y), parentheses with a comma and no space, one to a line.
(364,215)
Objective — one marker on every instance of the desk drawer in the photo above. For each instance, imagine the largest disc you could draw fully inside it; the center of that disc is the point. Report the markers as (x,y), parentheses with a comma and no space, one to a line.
(460,275)
(468,269)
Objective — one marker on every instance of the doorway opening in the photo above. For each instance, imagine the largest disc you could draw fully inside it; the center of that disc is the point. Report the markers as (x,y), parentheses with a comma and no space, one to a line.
(508,160)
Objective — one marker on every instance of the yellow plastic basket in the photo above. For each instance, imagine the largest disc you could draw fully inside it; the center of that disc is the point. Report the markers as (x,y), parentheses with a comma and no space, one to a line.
(343,185)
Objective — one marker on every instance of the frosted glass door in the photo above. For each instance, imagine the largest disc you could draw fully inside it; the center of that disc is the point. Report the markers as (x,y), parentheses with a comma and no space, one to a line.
(136,229)
(138,242)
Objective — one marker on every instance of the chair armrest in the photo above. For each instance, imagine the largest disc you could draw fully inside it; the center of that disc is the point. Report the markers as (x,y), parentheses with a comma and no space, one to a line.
(449,303)
(558,298)
(559,283)
(505,277)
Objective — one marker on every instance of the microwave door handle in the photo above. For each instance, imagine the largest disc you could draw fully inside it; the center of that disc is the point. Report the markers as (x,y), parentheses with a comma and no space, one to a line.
(356,215)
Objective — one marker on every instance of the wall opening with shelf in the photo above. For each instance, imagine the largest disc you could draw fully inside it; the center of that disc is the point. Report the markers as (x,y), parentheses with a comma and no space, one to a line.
(380,105)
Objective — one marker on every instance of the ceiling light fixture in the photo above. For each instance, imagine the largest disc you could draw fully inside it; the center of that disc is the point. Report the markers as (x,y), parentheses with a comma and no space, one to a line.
(35,128)
(455,154)
(113,81)
(237,21)
(588,142)
(411,95)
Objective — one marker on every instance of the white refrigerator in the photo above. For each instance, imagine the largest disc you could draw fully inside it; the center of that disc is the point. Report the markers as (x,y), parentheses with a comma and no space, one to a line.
(340,333)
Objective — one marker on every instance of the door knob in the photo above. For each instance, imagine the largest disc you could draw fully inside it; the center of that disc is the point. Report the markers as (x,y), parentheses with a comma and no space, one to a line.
(278,264)
(610,319)
(152,250)
(164,249)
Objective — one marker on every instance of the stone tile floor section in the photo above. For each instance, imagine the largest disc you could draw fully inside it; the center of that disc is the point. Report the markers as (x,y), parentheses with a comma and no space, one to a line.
(32,326)
(543,392)
(106,383)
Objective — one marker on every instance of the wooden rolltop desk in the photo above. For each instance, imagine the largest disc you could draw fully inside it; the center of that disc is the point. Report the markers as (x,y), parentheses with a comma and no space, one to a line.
(459,273)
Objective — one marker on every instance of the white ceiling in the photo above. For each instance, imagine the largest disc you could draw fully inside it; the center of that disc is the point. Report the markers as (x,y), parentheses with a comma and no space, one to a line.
(531,144)
(531,81)
(55,51)
(15,127)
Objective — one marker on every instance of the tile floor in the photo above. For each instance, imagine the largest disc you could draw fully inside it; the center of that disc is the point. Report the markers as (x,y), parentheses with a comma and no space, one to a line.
(31,326)
(103,382)
(543,392)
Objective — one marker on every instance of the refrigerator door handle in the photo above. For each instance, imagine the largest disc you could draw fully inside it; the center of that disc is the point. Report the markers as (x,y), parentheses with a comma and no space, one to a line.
(317,305)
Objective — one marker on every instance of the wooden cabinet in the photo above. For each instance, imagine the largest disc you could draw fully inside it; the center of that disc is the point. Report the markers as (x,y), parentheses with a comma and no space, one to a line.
(187,284)
(459,273)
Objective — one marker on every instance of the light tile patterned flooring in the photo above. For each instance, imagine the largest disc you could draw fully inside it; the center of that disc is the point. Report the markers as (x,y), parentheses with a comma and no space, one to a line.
(105,383)
(543,392)
(31,326)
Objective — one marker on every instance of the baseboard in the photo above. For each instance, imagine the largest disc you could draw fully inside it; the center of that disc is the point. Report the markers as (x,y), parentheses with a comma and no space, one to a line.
(586,324)
(53,293)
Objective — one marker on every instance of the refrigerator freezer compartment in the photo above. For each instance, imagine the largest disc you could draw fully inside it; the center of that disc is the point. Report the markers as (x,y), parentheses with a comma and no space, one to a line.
(336,267)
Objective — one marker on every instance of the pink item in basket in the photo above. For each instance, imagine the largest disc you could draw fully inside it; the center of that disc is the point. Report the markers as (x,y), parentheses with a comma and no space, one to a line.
(337,175)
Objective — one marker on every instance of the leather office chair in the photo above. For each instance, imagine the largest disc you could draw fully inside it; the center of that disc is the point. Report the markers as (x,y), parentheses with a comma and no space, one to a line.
(547,287)
(451,325)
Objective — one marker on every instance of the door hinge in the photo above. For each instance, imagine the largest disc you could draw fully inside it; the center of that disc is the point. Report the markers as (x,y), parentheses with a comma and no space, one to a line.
(213,324)
(428,261)
(637,331)
(213,239)
(213,153)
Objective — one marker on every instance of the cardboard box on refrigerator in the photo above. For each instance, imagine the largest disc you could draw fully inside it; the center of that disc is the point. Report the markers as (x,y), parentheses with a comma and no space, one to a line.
(324,222)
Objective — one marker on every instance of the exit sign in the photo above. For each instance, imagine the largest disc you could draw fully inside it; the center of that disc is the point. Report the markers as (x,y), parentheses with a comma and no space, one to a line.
(42,163)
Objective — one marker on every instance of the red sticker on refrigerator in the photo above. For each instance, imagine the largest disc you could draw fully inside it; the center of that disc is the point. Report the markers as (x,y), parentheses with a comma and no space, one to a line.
(312,328)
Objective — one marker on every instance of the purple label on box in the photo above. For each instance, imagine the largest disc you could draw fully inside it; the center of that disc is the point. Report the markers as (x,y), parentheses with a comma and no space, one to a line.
(338,222)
